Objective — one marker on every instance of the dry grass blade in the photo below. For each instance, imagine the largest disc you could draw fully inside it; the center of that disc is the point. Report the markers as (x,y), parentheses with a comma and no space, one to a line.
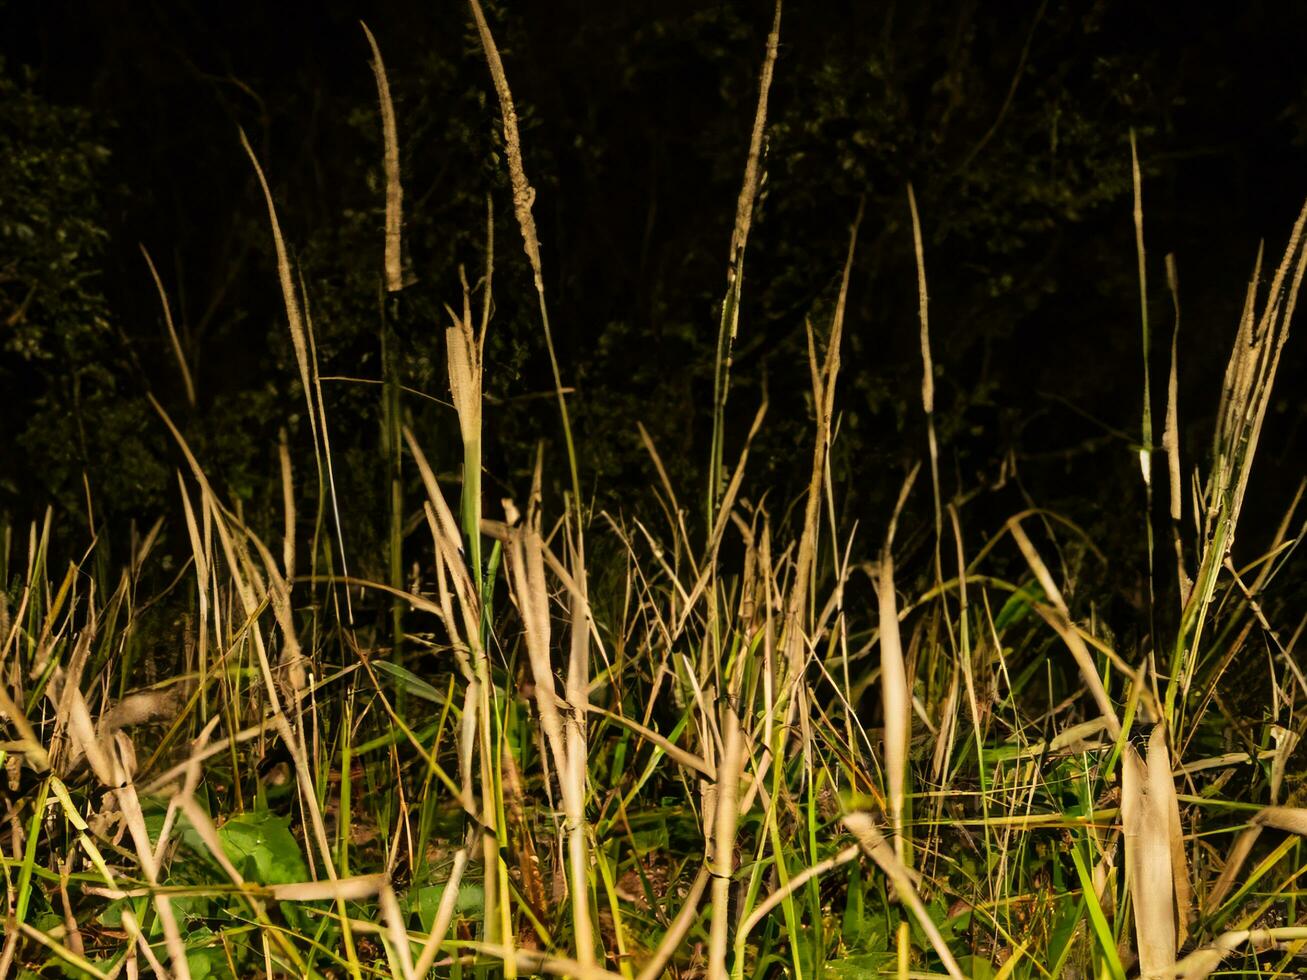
(794,884)
(521,841)
(298,335)
(666,482)
(896,699)
(1059,617)
(873,843)
(252,592)
(1286,741)
(672,750)
(574,783)
(566,738)
(292,662)
(27,743)
(448,526)
(1146,820)
(1184,897)
(133,929)
(464,378)
(927,368)
(527,578)
(678,930)
(72,706)
(534,961)
(1171,437)
(193,772)
(449,562)
(703,584)
(1234,861)
(927,373)
(352,889)
(288,511)
(824,378)
(396,931)
(208,834)
(326,453)
(896,691)
(444,915)
(1202,962)
(394,190)
(187,380)
(125,790)
(1290,819)
(1146,449)
(300,325)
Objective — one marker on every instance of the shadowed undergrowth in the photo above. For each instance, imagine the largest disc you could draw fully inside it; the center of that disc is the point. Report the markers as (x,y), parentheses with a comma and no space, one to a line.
(729,737)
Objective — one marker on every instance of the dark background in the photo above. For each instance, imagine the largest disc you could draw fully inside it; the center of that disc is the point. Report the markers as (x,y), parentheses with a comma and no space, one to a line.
(118,126)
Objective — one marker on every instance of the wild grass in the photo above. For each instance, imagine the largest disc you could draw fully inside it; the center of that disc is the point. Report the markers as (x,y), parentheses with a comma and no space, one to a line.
(761,750)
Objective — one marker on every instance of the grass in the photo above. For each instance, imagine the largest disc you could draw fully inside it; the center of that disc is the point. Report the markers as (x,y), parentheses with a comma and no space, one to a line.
(764,750)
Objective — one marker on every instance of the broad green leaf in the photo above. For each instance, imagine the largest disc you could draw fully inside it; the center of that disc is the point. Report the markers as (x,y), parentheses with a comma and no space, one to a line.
(262,843)
(1017,606)
(410,681)
(471,902)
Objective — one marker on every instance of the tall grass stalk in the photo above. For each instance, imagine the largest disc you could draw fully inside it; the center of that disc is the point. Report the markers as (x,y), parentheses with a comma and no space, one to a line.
(730,318)
(1146,429)
(303,344)
(394,271)
(182,365)
(392,443)
(896,691)
(572,775)
(1245,395)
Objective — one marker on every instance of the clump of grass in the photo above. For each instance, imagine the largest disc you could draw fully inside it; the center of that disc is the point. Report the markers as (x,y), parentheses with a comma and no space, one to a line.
(741,767)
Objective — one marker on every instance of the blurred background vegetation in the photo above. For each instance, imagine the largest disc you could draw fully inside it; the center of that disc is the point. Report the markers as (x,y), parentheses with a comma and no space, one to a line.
(118,128)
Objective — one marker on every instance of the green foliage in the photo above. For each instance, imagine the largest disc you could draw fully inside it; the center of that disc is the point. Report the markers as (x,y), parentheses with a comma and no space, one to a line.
(53,157)
(262,848)
(64,369)
(470,903)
